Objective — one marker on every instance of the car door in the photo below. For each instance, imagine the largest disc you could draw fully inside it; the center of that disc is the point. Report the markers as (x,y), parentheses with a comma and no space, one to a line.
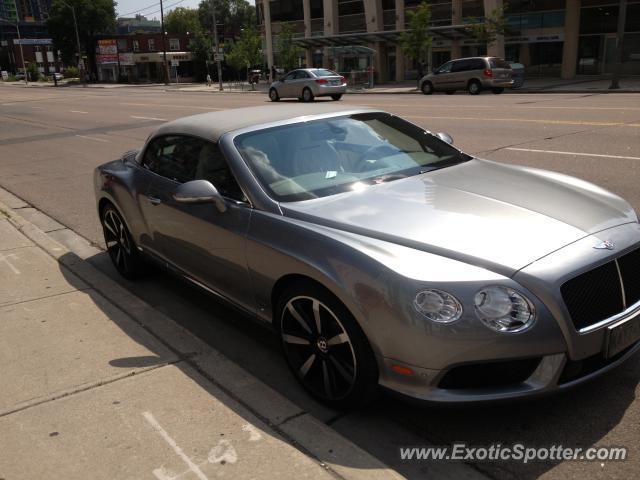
(442,76)
(287,88)
(460,74)
(205,244)
(302,80)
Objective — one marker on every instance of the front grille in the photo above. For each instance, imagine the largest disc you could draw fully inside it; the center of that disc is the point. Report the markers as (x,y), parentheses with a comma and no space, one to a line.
(597,294)
(488,375)
(630,270)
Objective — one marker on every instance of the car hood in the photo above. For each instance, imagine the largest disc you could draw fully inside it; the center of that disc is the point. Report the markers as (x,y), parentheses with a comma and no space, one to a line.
(497,216)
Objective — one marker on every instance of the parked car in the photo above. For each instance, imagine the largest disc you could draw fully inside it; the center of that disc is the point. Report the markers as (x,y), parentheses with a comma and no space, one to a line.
(308,83)
(472,74)
(381,254)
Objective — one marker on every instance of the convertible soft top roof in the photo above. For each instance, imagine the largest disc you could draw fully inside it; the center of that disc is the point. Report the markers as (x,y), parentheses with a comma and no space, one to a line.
(213,125)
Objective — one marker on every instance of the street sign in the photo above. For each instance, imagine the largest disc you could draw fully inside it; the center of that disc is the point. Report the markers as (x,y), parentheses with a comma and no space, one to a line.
(218,57)
(175,63)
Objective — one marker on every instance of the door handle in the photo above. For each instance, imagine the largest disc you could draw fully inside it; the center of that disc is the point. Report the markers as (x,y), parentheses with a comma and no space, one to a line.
(154,200)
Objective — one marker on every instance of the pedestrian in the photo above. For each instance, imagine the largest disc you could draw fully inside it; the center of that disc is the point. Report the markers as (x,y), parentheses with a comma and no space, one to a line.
(273,73)
(208,80)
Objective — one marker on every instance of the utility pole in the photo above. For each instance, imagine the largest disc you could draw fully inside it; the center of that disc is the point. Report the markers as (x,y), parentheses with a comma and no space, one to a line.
(216,44)
(164,46)
(83,78)
(622,17)
(24,68)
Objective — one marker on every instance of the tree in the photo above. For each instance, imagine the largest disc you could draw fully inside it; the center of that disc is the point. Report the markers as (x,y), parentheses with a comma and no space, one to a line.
(416,41)
(182,20)
(232,16)
(201,48)
(494,24)
(246,51)
(288,52)
(94,17)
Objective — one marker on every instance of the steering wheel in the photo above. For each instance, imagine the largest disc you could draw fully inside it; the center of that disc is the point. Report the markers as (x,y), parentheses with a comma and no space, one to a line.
(374,153)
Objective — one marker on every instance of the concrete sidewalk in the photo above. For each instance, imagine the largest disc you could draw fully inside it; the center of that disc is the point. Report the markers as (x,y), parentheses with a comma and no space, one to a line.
(96,384)
(580,84)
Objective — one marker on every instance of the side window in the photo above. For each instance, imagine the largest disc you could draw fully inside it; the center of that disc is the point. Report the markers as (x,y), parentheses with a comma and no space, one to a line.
(174,157)
(461,66)
(302,74)
(446,68)
(212,166)
(478,64)
(290,76)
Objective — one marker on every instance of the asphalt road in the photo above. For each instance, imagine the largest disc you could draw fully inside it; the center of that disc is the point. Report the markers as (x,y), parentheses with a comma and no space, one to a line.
(51,140)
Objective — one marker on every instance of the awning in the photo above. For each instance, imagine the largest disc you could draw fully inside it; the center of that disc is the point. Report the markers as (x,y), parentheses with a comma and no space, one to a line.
(450,32)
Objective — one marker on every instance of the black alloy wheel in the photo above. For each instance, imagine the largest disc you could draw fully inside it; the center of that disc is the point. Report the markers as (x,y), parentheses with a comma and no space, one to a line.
(325,348)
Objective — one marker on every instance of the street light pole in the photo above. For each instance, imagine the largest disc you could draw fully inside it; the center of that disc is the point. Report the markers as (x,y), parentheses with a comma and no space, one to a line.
(622,17)
(164,46)
(216,44)
(24,68)
(80,59)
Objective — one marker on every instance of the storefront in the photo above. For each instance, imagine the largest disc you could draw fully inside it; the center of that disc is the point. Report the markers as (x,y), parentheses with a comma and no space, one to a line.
(107,60)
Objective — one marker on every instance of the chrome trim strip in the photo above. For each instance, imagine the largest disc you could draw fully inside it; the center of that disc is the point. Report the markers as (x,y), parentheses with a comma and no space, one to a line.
(635,308)
(624,295)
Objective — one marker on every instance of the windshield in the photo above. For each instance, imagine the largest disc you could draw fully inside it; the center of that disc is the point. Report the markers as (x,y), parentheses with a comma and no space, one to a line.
(324,157)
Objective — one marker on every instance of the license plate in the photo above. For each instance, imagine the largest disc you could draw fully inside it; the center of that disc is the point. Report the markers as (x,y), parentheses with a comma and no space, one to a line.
(622,335)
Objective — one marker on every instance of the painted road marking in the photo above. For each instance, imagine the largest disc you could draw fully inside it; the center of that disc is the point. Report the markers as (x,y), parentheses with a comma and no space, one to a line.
(172,443)
(556,152)
(5,259)
(93,138)
(129,104)
(150,118)
(530,120)
(78,111)
(511,106)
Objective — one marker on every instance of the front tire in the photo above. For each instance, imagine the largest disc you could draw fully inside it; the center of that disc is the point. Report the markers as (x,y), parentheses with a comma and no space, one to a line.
(474,87)
(325,348)
(273,95)
(120,246)
(427,88)
(336,97)
(307,95)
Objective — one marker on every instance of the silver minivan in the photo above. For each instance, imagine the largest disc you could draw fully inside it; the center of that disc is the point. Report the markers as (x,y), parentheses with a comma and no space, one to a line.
(472,74)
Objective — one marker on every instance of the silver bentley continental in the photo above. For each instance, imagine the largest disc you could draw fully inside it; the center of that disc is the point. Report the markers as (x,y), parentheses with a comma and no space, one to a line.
(382,255)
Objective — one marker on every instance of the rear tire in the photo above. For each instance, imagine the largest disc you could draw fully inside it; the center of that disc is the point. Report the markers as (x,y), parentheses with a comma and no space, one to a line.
(335,362)
(336,97)
(123,252)
(497,90)
(427,88)
(307,95)
(273,95)
(474,87)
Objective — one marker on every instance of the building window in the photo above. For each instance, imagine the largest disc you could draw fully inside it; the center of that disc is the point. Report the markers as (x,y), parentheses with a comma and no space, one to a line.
(174,44)
(136,46)
(152,45)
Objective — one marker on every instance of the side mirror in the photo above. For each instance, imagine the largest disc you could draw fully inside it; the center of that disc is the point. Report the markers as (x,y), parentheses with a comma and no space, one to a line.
(445,137)
(199,191)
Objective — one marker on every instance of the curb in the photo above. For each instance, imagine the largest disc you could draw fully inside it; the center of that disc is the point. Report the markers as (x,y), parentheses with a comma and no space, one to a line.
(309,435)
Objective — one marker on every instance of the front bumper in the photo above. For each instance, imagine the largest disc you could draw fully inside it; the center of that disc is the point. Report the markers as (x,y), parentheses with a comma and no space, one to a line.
(526,365)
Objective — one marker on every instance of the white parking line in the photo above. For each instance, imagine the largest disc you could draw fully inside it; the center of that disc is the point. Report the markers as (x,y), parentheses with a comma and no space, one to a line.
(77,111)
(150,118)
(172,443)
(92,138)
(556,152)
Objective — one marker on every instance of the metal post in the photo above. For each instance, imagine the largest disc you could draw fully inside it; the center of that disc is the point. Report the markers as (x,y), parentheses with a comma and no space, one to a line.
(217,46)
(622,16)
(164,46)
(80,59)
(24,68)
(83,77)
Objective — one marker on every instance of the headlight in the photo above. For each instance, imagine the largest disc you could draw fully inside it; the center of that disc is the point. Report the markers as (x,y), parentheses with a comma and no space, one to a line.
(504,310)
(438,306)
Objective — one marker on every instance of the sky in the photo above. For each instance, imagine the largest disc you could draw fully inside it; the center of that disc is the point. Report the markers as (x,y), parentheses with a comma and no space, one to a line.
(151,8)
